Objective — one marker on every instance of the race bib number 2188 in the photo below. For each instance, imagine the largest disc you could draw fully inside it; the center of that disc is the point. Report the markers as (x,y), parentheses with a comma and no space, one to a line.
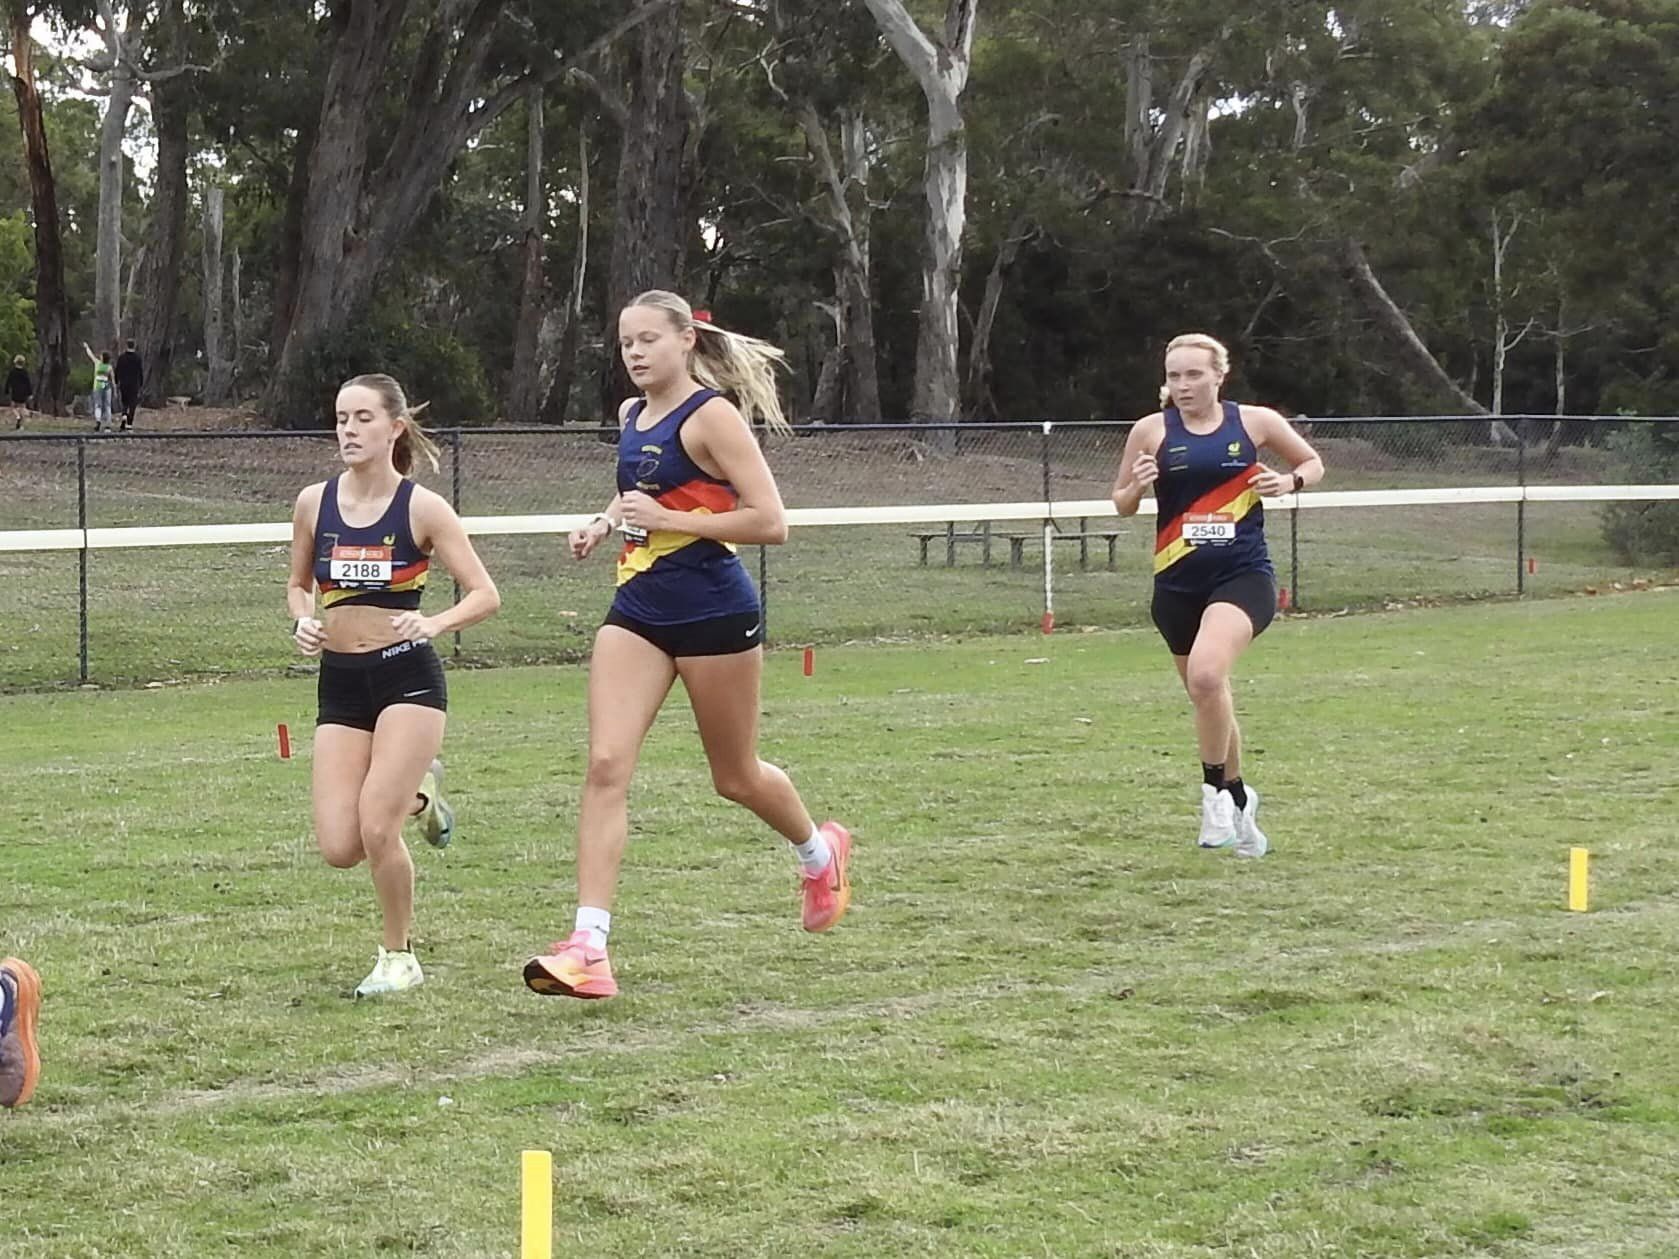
(358,564)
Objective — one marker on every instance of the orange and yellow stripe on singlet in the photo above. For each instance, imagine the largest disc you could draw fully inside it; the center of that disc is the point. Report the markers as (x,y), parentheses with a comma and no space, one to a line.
(408,577)
(1235,498)
(706,497)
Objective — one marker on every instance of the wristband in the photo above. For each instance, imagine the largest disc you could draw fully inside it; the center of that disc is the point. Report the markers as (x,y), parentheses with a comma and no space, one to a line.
(1299,482)
(611,524)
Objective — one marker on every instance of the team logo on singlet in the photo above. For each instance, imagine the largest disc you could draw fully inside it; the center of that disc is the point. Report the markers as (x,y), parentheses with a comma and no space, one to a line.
(648,468)
(1234,449)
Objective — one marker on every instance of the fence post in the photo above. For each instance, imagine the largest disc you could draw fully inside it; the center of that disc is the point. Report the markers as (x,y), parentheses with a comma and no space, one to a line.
(1521,509)
(1294,600)
(455,502)
(81,565)
(1048,622)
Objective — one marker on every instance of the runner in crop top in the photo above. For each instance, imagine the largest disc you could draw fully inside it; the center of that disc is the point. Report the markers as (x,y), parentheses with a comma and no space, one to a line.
(364,540)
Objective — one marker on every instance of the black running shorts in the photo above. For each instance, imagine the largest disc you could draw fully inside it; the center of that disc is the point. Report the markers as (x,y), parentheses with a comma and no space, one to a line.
(355,687)
(1177,613)
(714,636)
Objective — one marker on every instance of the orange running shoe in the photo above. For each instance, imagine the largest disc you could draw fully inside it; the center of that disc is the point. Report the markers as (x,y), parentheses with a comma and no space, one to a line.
(572,969)
(20,1057)
(828,895)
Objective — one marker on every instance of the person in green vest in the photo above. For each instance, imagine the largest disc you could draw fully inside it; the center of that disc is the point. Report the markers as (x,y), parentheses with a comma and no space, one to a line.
(101,388)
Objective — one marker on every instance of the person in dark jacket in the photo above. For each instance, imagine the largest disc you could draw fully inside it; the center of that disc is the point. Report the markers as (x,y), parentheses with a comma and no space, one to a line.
(131,374)
(19,391)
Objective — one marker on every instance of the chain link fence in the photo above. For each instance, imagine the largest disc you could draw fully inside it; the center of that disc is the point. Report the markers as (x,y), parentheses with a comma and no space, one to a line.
(128,615)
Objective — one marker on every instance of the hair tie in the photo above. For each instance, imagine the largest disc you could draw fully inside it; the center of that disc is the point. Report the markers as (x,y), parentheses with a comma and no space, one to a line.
(702,316)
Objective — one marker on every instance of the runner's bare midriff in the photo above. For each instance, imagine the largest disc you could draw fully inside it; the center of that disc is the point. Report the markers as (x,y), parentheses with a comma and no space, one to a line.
(358,628)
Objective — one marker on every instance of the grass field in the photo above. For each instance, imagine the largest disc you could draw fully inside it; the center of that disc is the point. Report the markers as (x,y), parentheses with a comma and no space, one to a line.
(1049,1027)
(163,615)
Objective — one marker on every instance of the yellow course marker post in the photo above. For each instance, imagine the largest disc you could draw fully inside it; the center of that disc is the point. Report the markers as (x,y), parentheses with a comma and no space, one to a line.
(536,1205)
(1579,860)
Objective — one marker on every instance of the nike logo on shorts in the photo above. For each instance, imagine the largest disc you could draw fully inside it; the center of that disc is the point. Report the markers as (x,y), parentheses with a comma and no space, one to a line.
(754,629)
(413,694)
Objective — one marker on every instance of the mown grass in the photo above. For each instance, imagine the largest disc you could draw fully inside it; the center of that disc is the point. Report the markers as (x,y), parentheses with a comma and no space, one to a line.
(161,615)
(1050,1026)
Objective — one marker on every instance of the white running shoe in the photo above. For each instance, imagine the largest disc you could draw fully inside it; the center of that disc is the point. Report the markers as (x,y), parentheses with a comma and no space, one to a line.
(1250,840)
(1218,818)
(393,972)
(437,819)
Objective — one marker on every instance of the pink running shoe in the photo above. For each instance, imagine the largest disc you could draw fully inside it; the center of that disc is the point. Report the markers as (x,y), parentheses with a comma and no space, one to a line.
(572,969)
(828,895)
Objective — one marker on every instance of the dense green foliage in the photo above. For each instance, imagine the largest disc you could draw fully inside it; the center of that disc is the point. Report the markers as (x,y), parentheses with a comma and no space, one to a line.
(1411,127)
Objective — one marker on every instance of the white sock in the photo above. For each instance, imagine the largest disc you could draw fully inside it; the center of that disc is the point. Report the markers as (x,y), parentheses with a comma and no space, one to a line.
(814,853)
(597,922)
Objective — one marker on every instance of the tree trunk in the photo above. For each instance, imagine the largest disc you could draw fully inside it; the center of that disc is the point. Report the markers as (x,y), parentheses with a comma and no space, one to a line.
(648,233)
(125,318)
(107,275)
(522,398)
(1179,114)
(942,73)
(236,351)
(354,221)
(1159,139)
(1559,365)
(937,344)
(1139,107)
(1197,149)
(1501,325)
(980,400)
(215,361)
(160,278)
(1412,354)
(52,319)
(366,32)
(565,367)
(856,290)
(845,184)
(1559,346)
(827,400)
(291,242)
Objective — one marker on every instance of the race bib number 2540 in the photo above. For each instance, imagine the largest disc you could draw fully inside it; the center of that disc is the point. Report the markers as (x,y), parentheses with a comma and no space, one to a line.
(1199,527)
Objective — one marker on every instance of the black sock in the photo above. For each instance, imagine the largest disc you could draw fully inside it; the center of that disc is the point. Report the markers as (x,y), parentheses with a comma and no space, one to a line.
(1213,775)
(1238,793)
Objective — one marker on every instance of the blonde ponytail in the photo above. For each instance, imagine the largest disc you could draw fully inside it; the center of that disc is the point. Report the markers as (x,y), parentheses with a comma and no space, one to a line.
(414,439)
(729,362)
(1198,341)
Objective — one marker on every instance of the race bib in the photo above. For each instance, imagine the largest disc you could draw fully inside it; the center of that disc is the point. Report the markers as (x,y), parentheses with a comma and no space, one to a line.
(1216,526)
(361,565)
(634,535)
